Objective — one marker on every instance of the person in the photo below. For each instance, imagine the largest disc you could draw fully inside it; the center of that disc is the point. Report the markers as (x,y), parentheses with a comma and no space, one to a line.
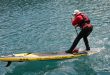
(81,20)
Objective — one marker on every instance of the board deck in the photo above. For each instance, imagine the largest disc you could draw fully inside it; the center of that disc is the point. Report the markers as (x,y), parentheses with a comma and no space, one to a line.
(42,56)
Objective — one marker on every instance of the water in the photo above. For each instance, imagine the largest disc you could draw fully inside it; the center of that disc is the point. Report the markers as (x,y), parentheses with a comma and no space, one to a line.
(43,26)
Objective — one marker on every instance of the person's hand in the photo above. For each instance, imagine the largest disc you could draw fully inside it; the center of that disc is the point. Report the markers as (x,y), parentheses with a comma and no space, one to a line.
(76,26)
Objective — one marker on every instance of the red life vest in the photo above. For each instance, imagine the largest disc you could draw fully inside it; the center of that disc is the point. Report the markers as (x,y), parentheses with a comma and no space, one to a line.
(82,20)
(85,21)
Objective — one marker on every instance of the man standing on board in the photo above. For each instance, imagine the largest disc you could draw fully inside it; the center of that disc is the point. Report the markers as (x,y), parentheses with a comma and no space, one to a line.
(81,20)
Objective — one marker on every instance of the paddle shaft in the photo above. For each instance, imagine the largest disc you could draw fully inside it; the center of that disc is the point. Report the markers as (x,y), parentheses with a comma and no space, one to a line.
(76,31)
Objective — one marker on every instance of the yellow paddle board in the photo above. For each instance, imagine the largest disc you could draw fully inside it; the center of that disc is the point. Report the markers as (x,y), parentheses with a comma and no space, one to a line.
(42,56)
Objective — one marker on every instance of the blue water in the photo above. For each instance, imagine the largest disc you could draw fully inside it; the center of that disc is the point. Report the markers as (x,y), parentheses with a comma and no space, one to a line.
(43,26)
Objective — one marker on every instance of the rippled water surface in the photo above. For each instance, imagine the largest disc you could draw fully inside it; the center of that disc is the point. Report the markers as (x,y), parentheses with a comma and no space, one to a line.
(43,26)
